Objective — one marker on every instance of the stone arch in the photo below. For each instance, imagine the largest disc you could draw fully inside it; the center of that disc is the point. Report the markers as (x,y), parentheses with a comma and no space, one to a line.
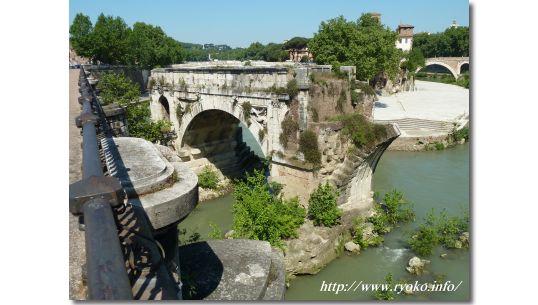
(461,66)
(164,107)
(232,108)
(442,64)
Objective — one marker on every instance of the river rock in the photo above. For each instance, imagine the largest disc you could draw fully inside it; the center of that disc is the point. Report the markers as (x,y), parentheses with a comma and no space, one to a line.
(416,265)
(352,247)
(444,255)
(408,289)
(229,234)
(464,239)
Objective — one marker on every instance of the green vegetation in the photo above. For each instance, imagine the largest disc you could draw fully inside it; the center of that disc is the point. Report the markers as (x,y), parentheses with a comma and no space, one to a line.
(111,41)
(445,78)
(116,88)
(291,88)
(261,134)
(261,215)
(247,107)
(366,44)
(392,212)
(453,42)
(215,232)
(322,206)
(439,230)
(341,101)
(358,235)
(361,132)
(386,293)
(439,146)
(296,43)
(458,135)
(208,178)
(308,145)
(289,129)
(414,59)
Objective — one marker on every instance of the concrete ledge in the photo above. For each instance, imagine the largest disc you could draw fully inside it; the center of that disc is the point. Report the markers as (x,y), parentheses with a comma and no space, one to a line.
(232,269)
(166,191)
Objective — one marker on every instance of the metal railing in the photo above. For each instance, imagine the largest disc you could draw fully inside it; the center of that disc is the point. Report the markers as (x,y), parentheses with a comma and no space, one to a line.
(93,198)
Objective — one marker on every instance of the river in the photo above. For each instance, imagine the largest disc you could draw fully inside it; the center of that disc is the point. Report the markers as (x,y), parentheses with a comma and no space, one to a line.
(429,179)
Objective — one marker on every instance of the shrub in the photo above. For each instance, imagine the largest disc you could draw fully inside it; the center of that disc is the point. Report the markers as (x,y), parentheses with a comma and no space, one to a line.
(442,229)
(322,206)
(424,241)
(386,293)
(215,233)
(260,215)
(247,107)
(394,202)
(261,134)
(308,145)
(292,89)
(463,133)
(289,128)
(208,178)
(341,101)
(439,146)
(361,132)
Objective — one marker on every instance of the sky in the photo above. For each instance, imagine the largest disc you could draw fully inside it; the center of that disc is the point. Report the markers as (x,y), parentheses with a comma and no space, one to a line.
(238,23)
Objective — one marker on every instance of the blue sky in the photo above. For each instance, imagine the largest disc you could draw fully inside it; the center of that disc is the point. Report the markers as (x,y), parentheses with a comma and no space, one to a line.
(240,22)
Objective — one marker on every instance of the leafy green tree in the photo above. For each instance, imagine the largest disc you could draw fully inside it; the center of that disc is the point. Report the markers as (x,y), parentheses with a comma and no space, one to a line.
(413,60)
(365,44)
(453,42)
(116,88)
(259,214)
(296,43)
(386,293)
(151,47)
(110,40)
(80,35)
(322,206)
(216,232)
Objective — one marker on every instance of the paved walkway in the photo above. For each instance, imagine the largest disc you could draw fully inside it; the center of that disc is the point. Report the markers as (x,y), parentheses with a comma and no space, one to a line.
(76,237)
(431,101)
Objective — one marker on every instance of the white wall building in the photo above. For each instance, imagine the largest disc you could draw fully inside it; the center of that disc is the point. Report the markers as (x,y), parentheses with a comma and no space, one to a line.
(405,39)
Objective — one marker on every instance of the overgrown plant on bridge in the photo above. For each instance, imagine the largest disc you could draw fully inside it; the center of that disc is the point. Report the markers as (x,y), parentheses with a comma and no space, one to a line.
(116,88)
(260,214)
(360,131)
(308,145)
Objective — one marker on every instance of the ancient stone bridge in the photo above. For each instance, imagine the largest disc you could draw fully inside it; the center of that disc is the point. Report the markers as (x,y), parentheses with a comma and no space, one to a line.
(455,65)
(210,103)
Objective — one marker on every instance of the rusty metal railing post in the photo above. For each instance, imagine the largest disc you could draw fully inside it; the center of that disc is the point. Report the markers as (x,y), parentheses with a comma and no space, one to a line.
(93,197)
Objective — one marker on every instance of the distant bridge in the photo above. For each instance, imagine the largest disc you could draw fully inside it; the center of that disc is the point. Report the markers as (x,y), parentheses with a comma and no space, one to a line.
(454,65)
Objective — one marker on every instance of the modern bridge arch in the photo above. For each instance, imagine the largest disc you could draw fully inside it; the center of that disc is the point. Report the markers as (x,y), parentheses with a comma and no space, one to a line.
(438,63)
(227,109)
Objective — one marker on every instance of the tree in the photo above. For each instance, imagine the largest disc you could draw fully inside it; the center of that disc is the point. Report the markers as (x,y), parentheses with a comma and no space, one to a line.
(110,40)
(296,43)
(80,35)
(414,59)
(365,44)
(151,47)
(453,42)
(116,88)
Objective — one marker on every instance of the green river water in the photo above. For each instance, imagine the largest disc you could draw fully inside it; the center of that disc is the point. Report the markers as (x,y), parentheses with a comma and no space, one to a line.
(434,179)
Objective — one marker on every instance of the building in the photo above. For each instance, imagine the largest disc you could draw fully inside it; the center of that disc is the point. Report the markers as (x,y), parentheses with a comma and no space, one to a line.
(454,24)
(300,55)
(405,37)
